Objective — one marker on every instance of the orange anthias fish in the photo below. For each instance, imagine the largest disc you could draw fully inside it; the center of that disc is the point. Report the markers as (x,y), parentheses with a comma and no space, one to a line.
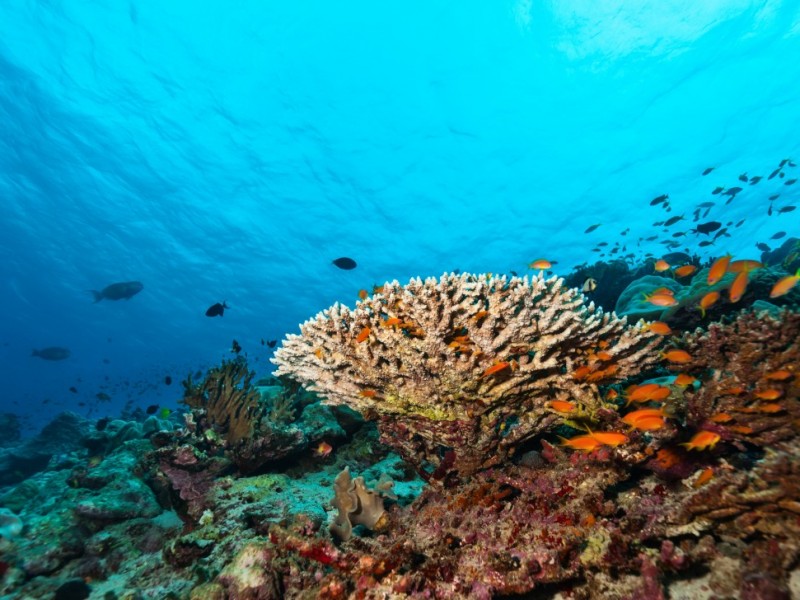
(609,438)
(677,356)
(647,419)
(662,291)
(744,266)
(542,264)
(780,375)
(708,300)
(784,285)
(363,294)
(661,299)
(497,368)
(738,287)
(704,477)
(683,380)
(362,335)
(721,418)
(647,392)
(659,328)
(323,450)
(718,269)
(585,443)
(661,266)
(562,406)
(702,440)
(368,393)
(685,270)
(768,394)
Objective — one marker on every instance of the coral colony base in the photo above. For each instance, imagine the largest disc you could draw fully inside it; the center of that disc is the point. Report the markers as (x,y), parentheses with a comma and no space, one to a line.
(474,436)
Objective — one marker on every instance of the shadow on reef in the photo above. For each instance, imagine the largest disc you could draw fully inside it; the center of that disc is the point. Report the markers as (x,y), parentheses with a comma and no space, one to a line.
(467,437)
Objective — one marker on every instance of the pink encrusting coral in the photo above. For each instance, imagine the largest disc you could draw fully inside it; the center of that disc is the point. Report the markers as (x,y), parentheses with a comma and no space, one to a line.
(459,371)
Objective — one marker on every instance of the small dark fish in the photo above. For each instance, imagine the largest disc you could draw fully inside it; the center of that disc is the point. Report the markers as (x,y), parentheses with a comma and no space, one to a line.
(705,243)
(705,205)
(739,224)
(707,228)
(705,214)
(707,171)
(235,347)
(696,216)
(763,247)
(513,274)
(659,199)
(720,233)
(783,162)
(778,235)
(791,164)
(755,180)
(781,174)
(102,423)
(151,410)
(774,173)
(345,263)
(625,232)
(81,403)
(602,244)
(73,389)
(168,380)
(774,196)
(75,589)
(717,190)
(658,223)
(677,257)
(124,290)
(786,209)
(732,191)
(272,343)
(106,361)
(198,375)
(743,177)
(769,210)
(217,310)
(651,238)
(52,353)
(679,234)
(673,220)
(102,396)
(790,182)
(591,228)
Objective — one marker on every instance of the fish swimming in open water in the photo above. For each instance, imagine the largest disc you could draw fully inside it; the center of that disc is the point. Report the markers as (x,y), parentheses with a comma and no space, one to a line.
(124,290)
(217,310)
(52,353)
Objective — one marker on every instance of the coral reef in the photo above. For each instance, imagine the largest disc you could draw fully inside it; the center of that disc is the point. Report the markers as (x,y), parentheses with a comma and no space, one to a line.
(750,369)
(229,409)
(458,372)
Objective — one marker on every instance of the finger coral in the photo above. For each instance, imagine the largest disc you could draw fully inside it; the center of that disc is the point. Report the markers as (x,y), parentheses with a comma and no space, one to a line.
(459,371)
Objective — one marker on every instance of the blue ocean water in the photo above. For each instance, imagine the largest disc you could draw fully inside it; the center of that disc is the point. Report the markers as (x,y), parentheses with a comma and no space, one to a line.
(231,152)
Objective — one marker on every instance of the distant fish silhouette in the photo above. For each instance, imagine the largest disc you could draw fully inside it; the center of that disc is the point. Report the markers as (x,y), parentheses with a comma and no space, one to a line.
(52,353)
(118,291)
(708,170)
(168,380)
(591,228)
(707,228)
(345,263)
(217,310)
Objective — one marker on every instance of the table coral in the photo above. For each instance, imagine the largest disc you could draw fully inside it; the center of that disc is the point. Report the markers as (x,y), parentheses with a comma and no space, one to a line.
(459,371)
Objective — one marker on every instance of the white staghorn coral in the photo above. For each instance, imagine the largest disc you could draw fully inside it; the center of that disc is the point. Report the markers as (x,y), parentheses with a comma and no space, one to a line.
(464,360)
